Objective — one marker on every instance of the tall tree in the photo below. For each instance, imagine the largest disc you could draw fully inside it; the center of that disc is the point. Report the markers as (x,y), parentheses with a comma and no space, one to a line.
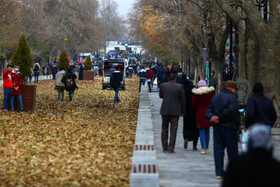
(22,57)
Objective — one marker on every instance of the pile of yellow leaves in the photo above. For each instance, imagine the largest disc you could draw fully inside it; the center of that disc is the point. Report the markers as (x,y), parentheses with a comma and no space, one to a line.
(85,142)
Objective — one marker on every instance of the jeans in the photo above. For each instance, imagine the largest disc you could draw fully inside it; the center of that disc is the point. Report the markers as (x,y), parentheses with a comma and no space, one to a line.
(204,137)
(150,85)
(30,78)
(60,92)
(7,97)
(36,76)
(71,95)
(117,94)
(224,138)
(20,102)
(142,81)
(53,76)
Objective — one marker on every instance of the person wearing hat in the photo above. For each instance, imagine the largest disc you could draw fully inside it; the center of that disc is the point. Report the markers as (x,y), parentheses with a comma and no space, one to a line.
(200,101)
(257,167)
(223,113)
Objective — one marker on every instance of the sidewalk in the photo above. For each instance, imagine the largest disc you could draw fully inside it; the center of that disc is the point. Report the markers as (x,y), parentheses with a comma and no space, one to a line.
(186,168)
(189,168)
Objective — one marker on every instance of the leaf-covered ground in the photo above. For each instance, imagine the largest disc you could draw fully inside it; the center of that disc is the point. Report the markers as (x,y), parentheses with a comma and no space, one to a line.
(85,142)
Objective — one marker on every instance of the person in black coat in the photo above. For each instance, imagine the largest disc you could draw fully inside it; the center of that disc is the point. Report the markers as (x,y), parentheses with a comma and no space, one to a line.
(70,83)
(115,83)
(260,109)
(257,167)
(190,131)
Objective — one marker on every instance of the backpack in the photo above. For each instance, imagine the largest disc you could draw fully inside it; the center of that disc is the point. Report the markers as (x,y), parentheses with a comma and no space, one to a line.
(36,68)
(113,81)
(69,83)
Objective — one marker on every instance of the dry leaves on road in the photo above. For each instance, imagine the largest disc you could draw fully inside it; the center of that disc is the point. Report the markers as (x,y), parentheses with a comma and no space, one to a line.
(86,142)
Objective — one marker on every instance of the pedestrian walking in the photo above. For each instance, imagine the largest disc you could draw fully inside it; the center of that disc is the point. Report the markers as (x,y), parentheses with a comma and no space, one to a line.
(223,112)
(173,106)
(54,70)
(260,109)
(160,75)
(59,85)
(8,86)
(16,78)
(70,83)
(115,83)
(143,77)
(150,75)
(190,130)
(200,101)
(31,75)
(36,71)
(257,167)
(213,80)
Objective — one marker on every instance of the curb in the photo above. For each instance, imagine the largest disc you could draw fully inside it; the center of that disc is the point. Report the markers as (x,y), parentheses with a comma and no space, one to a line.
(144,171)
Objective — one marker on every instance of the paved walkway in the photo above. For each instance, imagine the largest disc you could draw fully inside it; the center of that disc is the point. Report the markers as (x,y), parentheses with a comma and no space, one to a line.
(187,168)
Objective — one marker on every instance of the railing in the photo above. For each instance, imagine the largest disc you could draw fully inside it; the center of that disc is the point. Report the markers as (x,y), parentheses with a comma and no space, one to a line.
(43,77)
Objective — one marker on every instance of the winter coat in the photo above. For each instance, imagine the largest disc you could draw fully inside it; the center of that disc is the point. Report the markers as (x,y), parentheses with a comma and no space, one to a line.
(225,105)
(260,109)
(16,77)
(160,73)
(213,81)
(255,168)
(7,79)
(173,99)
(36,64)
(200,101)
(118,78)
(74,85)
(143,74)
(59,77)
(150,74)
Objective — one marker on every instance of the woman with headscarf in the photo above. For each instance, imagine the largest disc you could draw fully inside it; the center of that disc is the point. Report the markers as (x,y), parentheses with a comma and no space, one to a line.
(190,131)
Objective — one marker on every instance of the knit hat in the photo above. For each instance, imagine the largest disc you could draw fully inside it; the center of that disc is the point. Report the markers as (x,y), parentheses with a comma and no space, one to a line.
(202,83)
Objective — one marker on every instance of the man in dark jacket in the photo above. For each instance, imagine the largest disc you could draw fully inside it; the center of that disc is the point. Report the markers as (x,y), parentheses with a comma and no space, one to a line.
(213,79)
(260,109)
(117,78)
(257,167)
(143,77)
(223,112)
(173,106)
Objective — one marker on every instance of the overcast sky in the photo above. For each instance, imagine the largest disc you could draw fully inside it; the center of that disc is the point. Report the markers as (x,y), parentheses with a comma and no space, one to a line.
(125,6)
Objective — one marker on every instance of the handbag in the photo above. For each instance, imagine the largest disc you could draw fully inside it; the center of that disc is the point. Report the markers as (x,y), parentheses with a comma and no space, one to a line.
(244,140)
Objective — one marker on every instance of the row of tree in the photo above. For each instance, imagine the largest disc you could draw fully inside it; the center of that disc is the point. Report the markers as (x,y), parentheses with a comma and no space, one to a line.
(51,26)
(178,30)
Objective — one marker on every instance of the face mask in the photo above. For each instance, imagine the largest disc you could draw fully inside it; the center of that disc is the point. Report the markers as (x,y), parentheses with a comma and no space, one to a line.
(16,69)
(211,74)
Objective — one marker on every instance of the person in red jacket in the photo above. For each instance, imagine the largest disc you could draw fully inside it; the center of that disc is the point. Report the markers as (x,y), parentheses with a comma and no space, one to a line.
(16,77)
(8,86)
(150,75)
(200,101)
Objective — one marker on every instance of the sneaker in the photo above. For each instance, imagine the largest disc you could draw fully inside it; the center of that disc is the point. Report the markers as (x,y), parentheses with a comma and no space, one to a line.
(207,151)
(219,177)
(194,149)
(165,150)
(186,144)
(203,152)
